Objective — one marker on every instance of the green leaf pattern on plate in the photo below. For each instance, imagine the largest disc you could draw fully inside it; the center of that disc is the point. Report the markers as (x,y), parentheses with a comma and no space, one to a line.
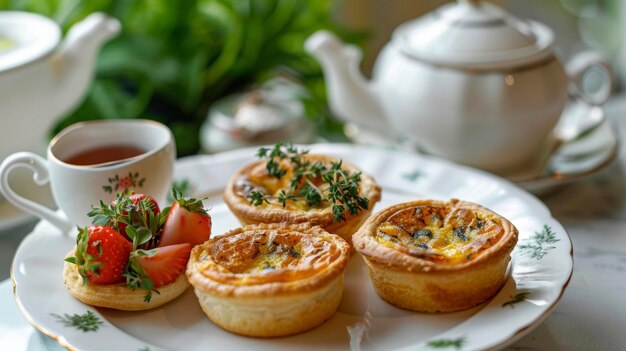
(86,322)
(539,244)
(519,297)
(447,343)
(413,176)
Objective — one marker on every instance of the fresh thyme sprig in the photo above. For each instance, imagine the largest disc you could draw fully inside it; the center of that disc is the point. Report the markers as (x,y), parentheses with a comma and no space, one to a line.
(280,151)
(257,199)
(338,187)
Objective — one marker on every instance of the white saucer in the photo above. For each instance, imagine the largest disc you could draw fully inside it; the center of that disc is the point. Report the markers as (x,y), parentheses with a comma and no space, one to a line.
(22,182)
(576,160)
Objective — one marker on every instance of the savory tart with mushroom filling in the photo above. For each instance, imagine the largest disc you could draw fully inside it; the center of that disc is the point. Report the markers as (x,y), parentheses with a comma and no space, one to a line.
(288,185)
(436,256)
(269,280)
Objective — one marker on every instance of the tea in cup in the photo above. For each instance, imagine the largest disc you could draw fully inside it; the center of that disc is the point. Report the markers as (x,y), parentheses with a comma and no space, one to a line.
(94,161)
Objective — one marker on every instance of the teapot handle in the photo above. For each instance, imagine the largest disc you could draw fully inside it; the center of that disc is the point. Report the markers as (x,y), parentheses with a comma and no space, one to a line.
(578,66)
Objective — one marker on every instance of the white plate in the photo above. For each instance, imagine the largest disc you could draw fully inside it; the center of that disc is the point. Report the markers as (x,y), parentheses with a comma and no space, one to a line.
(363,320)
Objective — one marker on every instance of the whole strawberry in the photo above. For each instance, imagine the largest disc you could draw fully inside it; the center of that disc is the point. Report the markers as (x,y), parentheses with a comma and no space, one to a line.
(101,255)
(187,222)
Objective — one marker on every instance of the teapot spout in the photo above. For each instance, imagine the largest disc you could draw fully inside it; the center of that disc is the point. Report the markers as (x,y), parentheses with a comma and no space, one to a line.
(73,65)
(351,96)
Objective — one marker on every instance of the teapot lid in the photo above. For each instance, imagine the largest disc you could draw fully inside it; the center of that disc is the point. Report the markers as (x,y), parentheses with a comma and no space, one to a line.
(477,35)
(25,37)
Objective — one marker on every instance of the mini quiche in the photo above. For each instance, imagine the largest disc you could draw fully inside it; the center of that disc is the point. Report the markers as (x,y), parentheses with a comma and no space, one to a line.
(436,256)
(269,280)
(291,186)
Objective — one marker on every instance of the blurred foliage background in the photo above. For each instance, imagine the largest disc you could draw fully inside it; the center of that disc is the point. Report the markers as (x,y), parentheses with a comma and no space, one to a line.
(174,58)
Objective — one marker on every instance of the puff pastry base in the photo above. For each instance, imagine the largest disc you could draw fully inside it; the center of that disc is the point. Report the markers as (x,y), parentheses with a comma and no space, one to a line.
(119,296)
(292,298)
(273,316)
(418,284)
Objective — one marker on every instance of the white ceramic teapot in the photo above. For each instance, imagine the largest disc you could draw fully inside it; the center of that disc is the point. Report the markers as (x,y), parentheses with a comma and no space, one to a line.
(41,78)
(467,82)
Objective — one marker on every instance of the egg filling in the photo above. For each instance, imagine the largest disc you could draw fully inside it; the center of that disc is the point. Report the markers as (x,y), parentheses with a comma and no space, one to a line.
(440,234)
(267,256)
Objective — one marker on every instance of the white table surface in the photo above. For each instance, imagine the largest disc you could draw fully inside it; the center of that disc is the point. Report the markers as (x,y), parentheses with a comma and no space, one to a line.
(591,314)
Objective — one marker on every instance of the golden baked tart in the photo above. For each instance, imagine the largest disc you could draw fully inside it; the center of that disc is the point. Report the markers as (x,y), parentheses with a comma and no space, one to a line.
(436,256)
(288,185)
(269,280)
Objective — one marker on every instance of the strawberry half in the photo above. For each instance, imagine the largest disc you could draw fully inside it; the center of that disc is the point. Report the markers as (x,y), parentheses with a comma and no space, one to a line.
(101,255)
(187,222)
(157,267)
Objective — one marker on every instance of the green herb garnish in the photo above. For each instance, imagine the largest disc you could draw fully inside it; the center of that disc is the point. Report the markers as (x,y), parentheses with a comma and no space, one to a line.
(136,276)
(338,187)
(294,253)
(257,199)
(138,219)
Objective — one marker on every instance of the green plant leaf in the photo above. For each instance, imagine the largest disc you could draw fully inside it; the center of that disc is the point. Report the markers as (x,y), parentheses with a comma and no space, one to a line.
(173,59)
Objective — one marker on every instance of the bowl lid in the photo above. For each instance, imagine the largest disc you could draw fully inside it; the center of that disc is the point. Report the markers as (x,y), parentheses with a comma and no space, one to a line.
(25,37)
(475,34)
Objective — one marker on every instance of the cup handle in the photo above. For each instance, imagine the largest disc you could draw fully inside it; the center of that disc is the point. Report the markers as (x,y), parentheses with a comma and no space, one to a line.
(576,69)
(41,177)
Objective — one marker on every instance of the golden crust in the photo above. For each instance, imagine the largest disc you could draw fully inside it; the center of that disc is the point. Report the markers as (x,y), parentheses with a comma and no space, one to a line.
(301,288)
(119,296)
(418,283)
(272,317)
(249,214)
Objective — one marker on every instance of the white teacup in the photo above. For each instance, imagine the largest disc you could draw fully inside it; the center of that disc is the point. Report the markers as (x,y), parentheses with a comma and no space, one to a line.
(78,186)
